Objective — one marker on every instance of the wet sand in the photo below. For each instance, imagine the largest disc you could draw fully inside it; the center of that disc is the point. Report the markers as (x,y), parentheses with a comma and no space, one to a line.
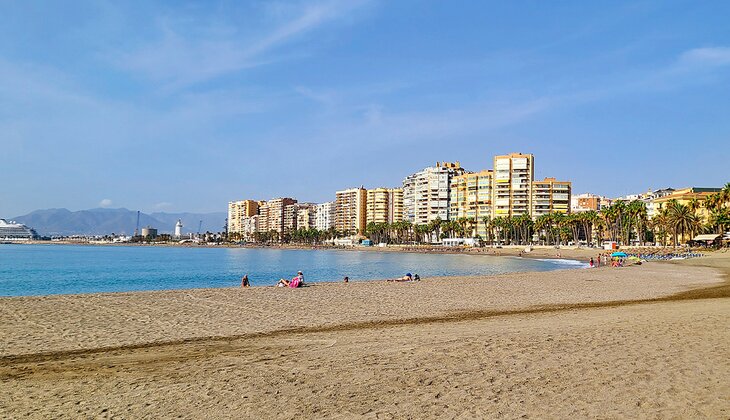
(643,341)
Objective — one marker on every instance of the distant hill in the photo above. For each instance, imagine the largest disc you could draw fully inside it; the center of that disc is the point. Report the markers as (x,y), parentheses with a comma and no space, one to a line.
(120,221)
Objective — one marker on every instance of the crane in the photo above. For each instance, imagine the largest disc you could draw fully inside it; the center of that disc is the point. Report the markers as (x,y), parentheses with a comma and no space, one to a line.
(200,226)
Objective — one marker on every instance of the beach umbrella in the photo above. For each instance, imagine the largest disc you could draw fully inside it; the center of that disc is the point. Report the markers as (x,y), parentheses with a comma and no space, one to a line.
(619,254)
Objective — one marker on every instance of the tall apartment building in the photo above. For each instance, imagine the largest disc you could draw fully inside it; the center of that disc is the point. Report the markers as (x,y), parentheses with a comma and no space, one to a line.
(249,226)
(550,196)
(471,197)
(237,210)
(301,216)
(426,193)
(325,216)
(262,222)
(351,210)
(513,176)
(384,205)
(290,218)
(275,212)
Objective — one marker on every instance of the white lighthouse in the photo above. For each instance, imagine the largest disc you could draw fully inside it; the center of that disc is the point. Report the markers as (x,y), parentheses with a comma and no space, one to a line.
(178,228)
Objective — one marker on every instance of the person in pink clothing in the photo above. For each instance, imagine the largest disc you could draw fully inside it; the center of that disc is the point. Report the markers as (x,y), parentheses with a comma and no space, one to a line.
(297,281)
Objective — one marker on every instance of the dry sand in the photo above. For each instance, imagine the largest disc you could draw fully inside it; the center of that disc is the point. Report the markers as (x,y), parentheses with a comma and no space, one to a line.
(592,343)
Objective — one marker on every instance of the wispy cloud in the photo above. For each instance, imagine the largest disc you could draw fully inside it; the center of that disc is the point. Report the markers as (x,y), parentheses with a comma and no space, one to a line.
(706,57)
(105,203)
(178,61)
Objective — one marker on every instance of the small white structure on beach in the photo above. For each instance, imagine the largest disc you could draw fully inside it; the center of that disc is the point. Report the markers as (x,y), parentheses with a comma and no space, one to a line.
(458,242)
(178,228)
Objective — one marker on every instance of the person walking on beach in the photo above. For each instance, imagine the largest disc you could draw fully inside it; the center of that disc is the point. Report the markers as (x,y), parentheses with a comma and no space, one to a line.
(590,262)
(244,281)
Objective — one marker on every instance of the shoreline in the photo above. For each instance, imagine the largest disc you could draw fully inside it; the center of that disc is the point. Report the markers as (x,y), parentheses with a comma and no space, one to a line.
(538,251)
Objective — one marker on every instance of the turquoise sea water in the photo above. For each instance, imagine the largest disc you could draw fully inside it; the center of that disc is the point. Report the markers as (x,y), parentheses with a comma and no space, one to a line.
(62,269)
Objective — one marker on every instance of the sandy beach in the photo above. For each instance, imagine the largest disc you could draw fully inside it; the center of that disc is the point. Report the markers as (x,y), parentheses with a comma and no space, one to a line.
(640,341)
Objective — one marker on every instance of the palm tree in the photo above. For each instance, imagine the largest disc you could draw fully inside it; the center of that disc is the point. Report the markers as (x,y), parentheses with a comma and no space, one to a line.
(589,220)
(725,193)
(487,220)
(660,225)
(682,220)
(719,220)
(638,217)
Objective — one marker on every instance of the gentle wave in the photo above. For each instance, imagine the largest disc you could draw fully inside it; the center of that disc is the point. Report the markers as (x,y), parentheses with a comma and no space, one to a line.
(559,261)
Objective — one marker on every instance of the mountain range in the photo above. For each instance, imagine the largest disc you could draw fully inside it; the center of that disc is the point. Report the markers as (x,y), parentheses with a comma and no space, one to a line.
(103,221)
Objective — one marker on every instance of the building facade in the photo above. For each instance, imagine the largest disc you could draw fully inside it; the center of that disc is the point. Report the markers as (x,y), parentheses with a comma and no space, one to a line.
(384,205)
(275,213)
(351,210)
(325,216)
(471,198)
(512,185)
(685,196)
(586,202)
(237,210)
(550,196)
(426,193)
(307,216)
(250,227)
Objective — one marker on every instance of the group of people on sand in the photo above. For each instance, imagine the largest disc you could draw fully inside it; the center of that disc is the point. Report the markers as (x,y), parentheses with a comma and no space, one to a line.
(606,260)
(296,281)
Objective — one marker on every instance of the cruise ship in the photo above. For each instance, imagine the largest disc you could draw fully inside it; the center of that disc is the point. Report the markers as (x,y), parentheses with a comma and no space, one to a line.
(11,231)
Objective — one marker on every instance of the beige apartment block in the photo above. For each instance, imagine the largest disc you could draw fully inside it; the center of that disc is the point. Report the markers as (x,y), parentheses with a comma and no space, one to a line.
(384,205)
(426,193)
(471,198)
(275,212)
(306,216)
(351,210)
(512,184)
(299,215)
(237,210)
(550,196)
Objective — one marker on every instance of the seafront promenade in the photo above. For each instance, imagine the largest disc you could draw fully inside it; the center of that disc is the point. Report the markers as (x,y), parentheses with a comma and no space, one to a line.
(651,336)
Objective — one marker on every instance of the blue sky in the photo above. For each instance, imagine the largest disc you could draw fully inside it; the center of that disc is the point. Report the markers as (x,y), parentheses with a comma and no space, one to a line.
(173,106)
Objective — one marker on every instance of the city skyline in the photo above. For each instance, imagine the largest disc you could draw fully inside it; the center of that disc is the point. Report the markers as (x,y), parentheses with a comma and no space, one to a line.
(160,107)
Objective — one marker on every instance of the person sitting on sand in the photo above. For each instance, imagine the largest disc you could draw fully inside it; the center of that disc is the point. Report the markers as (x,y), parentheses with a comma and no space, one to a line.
(296,282)
(301,278)
(346,280)
(282,283)
(245,282)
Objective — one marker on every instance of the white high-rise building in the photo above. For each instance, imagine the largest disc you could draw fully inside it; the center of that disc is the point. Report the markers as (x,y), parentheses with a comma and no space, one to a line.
(426,193)
(325,215)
